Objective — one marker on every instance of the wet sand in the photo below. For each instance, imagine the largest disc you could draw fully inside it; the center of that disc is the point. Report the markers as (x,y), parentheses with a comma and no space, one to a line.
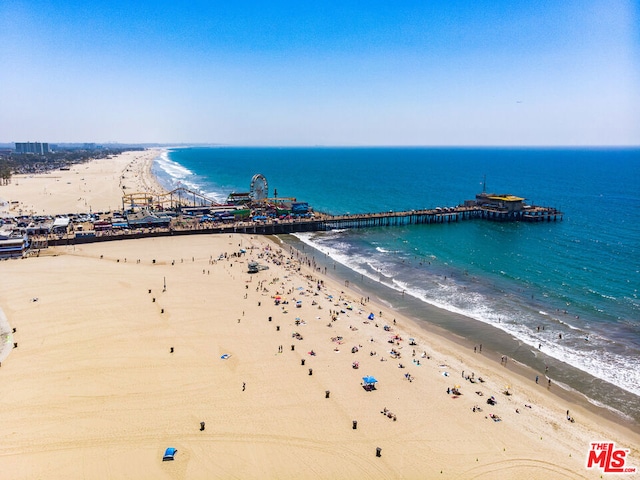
(95,391)
(568,383)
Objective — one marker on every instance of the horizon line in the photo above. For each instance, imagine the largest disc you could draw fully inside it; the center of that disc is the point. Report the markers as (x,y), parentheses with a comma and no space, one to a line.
(214,144)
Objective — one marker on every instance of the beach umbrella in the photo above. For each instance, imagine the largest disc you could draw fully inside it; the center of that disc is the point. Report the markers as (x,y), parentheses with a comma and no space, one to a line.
(371,316)
(369,379)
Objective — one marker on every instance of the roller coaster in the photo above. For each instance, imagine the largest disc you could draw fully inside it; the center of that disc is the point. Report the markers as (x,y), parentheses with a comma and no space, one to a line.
(178,198)
(257,199)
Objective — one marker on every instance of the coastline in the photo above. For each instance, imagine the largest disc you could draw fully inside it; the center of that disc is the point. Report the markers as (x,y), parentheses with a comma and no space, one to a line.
(428,320)
(94,379)
(100,184)
(102,362)
(96,185)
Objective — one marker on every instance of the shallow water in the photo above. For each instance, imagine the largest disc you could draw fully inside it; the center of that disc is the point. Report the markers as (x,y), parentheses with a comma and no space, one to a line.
(565,292)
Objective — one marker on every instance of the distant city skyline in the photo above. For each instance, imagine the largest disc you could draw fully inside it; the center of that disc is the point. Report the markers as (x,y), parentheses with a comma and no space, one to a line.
(32,147)
(503,73)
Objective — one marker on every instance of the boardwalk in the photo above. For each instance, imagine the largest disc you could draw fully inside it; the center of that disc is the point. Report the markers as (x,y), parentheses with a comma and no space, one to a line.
(323,222)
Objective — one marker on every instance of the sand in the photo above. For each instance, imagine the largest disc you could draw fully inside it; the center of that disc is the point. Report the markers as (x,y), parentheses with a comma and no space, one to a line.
(94,186)
(94,391)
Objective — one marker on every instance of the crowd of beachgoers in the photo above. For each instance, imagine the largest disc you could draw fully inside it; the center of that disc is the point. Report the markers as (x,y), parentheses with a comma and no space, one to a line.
(117,351)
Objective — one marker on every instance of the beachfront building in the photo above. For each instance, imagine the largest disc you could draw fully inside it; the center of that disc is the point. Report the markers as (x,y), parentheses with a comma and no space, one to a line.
(12,245)
(503,202)
(242,198)
(36,148)
(146,219)
(40,227)
(60,225)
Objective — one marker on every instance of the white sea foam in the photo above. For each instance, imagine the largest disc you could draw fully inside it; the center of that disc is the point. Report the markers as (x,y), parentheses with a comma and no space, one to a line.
(608,407)
(595,360)
(384,250)
(572,327)
(338,252)
(174,175)
(173,169)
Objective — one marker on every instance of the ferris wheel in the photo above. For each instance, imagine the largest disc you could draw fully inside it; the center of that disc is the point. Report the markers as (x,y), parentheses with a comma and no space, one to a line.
(259,188)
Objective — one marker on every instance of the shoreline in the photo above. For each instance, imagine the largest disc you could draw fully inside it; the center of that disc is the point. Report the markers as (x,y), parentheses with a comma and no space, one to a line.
(136,172)
(102,362)
(484,334)
(97,388)
(96,185)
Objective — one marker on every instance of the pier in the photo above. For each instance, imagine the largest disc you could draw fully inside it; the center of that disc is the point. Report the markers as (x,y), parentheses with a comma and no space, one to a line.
(391,219)
(184,212)
(322,222)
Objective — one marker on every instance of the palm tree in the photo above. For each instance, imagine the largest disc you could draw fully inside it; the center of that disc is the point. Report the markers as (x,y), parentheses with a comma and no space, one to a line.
(5,173)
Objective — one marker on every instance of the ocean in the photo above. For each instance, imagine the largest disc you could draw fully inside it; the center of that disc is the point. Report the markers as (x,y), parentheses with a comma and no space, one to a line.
(563,295)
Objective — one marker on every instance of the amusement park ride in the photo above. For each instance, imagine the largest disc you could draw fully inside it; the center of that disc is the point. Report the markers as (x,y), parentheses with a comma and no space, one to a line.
(257,199)
(259,188)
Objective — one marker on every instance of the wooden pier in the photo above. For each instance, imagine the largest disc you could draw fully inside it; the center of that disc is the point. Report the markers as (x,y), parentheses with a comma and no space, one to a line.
(391,219)
(323,222)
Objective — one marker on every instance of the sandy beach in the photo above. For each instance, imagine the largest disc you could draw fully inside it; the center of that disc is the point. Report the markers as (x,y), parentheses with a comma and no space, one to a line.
(95,186)
(125,347)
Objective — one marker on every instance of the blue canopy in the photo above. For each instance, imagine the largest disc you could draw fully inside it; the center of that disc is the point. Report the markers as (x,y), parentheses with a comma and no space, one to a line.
(169,454)
(371,316)
(369,379)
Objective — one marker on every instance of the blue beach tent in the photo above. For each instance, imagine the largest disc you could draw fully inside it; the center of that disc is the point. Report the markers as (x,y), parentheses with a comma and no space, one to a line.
(369,383)
(169,454)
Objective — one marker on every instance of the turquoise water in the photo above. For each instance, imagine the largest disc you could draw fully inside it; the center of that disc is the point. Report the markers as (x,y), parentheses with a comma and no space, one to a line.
(578,278)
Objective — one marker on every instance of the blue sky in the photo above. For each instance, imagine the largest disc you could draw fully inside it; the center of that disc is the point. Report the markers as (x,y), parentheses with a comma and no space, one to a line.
(556,72)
